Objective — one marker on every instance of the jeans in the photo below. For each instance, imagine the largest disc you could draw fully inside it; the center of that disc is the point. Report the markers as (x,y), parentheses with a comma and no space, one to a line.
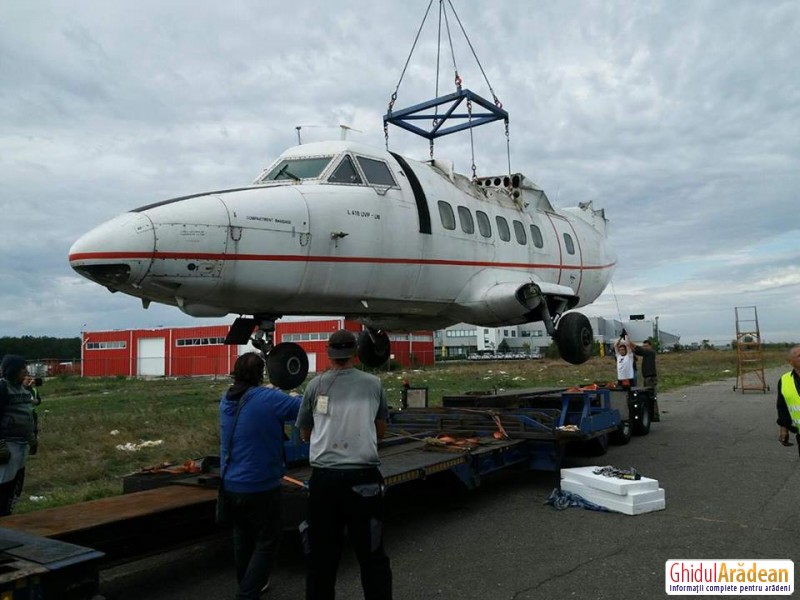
(351,498)
(257,532)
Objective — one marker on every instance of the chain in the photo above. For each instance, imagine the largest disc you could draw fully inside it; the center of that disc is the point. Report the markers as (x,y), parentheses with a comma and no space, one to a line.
(508,148)
(431,150)
(472,141)
(385,123)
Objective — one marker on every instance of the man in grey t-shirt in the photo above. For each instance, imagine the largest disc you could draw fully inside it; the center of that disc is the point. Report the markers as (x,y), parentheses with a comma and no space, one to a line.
(344,414)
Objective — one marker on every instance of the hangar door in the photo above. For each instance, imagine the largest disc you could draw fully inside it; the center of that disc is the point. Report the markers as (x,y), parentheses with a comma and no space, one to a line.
(151,357)
(312,362)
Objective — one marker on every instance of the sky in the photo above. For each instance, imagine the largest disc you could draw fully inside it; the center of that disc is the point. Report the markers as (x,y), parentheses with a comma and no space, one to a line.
(681,118)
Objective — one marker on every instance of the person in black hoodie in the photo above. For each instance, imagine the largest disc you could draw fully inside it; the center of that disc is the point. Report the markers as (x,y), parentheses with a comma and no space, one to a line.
(16,429)
(252,470)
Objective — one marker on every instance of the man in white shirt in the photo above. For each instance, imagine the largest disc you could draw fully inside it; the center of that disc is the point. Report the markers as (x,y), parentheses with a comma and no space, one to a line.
(626,373)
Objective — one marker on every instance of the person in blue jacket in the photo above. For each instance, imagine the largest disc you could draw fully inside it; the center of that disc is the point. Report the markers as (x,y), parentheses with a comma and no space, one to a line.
(252,475)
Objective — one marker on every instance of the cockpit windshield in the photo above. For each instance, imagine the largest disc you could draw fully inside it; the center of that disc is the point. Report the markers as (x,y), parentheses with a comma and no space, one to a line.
(297,169)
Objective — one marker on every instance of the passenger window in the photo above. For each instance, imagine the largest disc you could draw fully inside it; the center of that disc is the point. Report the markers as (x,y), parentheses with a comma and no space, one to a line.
(376,171)
(569,243)
(465,218)
(519,233)
(346,173)
(502,229)
(447,216)
(484,225)
(536,236)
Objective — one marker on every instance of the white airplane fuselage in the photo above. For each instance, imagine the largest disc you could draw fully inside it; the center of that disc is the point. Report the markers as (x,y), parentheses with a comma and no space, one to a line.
(348,241)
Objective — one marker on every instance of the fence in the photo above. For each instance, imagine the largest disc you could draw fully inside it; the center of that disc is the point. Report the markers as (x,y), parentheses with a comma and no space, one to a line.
(177,366)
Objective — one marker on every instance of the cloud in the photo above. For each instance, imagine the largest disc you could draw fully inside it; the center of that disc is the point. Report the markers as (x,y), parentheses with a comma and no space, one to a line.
(681,119)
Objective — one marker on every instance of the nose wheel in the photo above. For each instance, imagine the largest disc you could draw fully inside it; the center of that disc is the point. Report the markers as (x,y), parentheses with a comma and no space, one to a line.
(287,363)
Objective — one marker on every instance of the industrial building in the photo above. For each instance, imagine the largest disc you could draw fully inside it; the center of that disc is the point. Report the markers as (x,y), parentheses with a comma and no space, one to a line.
(194,351)
(463,340)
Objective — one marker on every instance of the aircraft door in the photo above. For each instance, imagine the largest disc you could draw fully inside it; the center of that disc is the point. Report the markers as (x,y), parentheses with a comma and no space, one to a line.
(189,252)
(570,253)
(268,245)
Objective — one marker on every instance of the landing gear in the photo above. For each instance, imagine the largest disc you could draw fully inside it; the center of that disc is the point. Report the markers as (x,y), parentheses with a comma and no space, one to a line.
(573,334)
(373,347)
(287,363)
(574,338)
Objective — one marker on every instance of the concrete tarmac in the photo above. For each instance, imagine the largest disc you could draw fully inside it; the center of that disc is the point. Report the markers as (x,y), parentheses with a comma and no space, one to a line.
(732,492)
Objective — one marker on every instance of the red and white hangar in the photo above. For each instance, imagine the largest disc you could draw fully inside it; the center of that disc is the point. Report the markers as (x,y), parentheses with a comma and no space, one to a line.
(201,351)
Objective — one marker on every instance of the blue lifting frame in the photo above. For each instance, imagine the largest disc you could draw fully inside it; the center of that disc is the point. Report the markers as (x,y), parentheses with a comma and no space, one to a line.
(402,117)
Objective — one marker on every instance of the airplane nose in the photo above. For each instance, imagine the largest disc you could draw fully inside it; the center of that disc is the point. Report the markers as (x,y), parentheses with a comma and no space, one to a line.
(117,253)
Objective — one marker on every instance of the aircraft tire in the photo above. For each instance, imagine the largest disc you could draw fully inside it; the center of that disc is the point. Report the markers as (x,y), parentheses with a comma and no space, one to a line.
(621,436)
(574,338)
(287,365)
(642,425)
(373,353)
(597,446)
(600,445)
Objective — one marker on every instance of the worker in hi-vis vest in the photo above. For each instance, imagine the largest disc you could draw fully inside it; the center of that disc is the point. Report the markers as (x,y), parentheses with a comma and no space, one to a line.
(788,403)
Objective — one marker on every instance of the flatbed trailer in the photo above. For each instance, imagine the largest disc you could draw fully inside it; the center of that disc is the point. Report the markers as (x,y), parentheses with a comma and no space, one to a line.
(525,429)
(37,568)
(545,420)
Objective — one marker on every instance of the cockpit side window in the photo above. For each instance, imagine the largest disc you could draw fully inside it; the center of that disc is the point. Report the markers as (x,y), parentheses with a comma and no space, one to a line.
(297,169)
(376,172)
(346,173)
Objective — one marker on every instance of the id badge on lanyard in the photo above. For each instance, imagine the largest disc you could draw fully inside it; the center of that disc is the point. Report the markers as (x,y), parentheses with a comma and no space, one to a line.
(322,405)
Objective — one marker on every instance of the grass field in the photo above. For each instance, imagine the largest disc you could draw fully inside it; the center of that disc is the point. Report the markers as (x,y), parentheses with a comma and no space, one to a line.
(84,423)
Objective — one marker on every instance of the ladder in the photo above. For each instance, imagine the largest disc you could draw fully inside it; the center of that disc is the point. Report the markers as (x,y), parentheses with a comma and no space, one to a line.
(749,351)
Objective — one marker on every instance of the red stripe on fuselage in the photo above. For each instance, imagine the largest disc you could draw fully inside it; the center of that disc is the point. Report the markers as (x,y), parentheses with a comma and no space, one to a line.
(81,256)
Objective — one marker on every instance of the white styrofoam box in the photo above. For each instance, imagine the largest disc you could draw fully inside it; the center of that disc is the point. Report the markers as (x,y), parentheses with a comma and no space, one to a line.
(614,485)
(631,504)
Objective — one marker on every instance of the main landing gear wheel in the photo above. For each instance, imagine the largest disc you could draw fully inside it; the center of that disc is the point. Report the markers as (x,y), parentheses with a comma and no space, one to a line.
(287,365)
(373,348)
(574,338)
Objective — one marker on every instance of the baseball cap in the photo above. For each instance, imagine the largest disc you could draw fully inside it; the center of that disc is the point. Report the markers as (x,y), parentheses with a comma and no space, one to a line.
(342,344)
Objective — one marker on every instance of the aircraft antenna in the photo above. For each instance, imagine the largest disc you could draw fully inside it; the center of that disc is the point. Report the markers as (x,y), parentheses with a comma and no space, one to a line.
(299,127)
(345,129)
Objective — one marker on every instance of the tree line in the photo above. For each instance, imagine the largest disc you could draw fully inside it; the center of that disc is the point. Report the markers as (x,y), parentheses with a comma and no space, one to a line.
(41,347)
